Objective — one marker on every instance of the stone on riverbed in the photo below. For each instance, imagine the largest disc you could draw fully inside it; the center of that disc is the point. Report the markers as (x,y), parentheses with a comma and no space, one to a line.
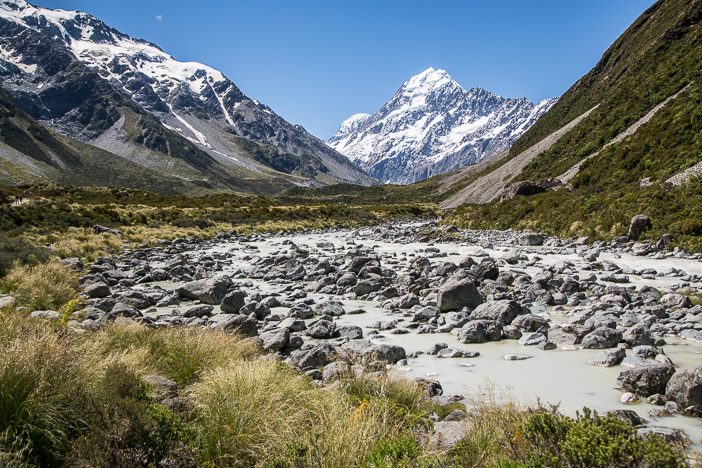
(603,337)
(503,312)
(645,381)
(685,387)
(456,293)
(208,291)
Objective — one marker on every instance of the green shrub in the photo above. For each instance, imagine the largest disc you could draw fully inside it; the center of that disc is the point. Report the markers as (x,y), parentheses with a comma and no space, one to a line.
(400,451)
(591,440)
(14,250)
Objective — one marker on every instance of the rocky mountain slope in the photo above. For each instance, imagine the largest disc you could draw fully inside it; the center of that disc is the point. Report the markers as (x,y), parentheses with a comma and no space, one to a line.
(431,126)
(632,142)
(89,82)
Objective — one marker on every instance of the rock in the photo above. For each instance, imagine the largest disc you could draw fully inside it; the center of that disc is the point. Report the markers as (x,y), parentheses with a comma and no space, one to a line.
(457,353)
(628,398)
(668,434)
(98,229)
(645,381)
(532,339)
(425,313)
(455,294)
(233,301)
(322,329)
(208,291)
(293,324)
(274,340)
(335,370)
(387,353)
(685,387)
(517,357)
(547,345)
(347,279)
(331,308)
(601,338)
(530,322)
(408,301)
(431,387)
(97,290)
(236,323)
(319,356)
(503,312)
(351,332)
(638,335)
(45,314)
(627,415)
(6,301)
(121,309)
(532,239)
(528,188)
(608,358)
(199,311)
(160,387)
(480,331)
(638,225)
(446,434)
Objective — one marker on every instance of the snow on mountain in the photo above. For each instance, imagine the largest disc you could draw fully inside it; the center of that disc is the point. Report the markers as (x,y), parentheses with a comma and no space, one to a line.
(195,100)
(433,125)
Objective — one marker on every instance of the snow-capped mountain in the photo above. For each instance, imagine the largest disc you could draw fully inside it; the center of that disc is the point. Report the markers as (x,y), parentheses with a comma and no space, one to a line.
(431,126)
(77,75)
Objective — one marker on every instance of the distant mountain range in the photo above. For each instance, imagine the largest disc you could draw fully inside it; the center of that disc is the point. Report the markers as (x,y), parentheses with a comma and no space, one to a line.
(85,103)
(432,125)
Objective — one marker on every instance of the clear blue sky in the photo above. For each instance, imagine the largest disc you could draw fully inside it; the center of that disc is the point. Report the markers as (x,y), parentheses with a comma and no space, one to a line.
(315,62)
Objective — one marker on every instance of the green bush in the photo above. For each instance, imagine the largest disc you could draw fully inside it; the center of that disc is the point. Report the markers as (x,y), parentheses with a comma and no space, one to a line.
(591,440)
(15,250)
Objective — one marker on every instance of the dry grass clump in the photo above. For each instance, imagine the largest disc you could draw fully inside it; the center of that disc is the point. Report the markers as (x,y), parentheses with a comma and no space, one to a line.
(41,287)
(83,243)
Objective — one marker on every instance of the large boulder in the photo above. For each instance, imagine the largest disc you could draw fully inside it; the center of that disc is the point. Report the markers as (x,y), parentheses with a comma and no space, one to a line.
(503,312)
(275,340)
(601,338)
(685,387)
(528,188)
(647,380)
(236,323)
(638,225)
(480,331)
(233,302)
(207,291)
(456,293)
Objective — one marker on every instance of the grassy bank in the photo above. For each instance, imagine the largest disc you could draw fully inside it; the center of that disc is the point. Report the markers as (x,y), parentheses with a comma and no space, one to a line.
(91,400)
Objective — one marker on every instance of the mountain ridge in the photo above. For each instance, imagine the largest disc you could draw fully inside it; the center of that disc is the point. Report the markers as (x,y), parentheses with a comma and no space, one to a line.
(433,125)
(41,53)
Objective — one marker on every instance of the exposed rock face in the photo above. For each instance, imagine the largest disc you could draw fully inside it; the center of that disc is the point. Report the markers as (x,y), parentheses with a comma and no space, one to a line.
(431,126)
(126,96)
(528,188)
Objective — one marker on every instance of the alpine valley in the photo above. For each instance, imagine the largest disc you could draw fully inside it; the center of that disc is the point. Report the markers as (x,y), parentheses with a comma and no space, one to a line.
(432,126)
(84,103)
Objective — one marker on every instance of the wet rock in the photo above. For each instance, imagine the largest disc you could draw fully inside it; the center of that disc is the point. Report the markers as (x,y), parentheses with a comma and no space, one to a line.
(517,357)
(685,387)
(646,381)
(331,308)
(601,338)
(480,331)
(532,339)
(629,416)
(608,358)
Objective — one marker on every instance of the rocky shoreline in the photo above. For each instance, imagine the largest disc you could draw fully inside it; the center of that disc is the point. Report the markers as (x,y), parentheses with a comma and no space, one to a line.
(291,298)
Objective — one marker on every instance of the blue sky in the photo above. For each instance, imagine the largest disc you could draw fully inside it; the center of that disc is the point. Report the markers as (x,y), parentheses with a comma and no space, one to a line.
(315,62)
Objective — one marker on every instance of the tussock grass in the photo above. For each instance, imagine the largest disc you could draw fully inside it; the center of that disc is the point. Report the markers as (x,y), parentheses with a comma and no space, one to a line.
(46,286)
(82,243)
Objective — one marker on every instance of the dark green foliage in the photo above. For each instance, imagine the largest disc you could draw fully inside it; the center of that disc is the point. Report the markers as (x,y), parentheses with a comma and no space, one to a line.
(591,440)
(400,451)
(16,250)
